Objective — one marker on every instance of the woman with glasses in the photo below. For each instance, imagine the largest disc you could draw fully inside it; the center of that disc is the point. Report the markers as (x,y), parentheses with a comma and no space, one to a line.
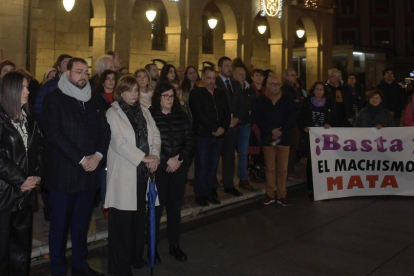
(21,166)
(133,154)
(177,150)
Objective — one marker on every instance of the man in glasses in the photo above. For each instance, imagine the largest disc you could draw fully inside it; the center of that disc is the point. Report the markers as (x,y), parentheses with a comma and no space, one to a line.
(274,116)
(77,136)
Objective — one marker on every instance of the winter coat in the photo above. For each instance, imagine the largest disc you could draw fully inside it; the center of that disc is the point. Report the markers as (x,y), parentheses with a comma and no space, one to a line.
(177,136)
(16,165)
(384,118)
(394,97)
(347,100)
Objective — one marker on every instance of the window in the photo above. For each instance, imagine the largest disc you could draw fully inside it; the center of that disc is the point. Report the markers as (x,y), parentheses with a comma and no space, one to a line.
(158,30)
(348,37)
(382,37)
(382,7)
(208,39)
(347,7)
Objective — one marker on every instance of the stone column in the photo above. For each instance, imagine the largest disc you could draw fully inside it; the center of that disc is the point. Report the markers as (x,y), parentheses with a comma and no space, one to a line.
(102,37)
(193,36)
(232,47)
(277,56)
(313,65)
(175,42)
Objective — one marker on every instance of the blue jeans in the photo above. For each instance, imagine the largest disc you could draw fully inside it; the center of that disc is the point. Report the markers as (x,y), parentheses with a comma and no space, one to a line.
(206,160)
(243,144)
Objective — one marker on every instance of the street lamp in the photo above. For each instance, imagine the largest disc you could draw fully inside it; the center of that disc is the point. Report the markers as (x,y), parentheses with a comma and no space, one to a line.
(262,28)
(68,4)
(151,13)
(300,32)
(212,22)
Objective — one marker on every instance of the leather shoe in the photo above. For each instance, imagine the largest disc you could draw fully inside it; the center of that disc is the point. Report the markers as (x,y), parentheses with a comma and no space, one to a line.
(157,258)
(176,251)
(211,198)
(201,201)
(214,193)
(232,191)
(86,272)
(246,185)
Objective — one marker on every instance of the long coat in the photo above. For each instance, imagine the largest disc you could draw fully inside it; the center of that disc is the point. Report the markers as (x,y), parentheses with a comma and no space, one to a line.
(71,133)
(124,157)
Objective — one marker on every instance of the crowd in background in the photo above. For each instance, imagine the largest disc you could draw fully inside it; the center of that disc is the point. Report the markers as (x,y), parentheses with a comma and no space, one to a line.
(105,135)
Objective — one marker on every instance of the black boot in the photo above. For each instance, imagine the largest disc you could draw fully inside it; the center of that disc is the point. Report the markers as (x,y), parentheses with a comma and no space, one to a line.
(176,251)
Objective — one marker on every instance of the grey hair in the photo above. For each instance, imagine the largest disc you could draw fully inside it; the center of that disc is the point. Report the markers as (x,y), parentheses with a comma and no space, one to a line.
(336,73)
(101,63)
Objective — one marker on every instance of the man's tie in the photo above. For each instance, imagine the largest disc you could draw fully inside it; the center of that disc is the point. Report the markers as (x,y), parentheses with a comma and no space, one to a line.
(229,88)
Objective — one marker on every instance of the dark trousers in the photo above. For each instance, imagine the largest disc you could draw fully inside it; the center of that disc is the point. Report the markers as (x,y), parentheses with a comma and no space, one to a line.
(293,153)
(126,235)
(16,242)
(309,175)
(69,211)
(206,159)
(228,151)
(171,188)
(47,209)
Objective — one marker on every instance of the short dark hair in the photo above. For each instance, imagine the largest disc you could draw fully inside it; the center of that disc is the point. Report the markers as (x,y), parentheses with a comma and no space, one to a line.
(161,88)
(148,66)
(352,74)
(73,60)
(125,83)
(325,88)
(7,62)
(11,86)
(374,92)
(258,71)
(102,78)
(221,60)
(59,60)
(207,68)
(387,69)
(111,53)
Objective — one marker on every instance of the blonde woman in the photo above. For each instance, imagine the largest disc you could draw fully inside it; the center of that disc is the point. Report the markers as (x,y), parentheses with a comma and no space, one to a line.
(144,86)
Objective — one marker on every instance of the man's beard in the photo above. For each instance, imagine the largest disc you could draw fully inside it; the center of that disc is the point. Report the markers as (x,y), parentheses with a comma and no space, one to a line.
(78,85)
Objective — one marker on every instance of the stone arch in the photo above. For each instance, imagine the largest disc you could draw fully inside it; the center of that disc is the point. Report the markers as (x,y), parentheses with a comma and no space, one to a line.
(174,16)
(310,28)
(99,8)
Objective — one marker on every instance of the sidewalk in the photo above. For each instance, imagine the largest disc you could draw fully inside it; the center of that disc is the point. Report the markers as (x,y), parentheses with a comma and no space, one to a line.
(98,228)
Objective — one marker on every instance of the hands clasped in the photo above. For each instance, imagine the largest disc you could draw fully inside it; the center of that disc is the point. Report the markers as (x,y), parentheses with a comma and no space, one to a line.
(173,164)
(152,162)
(89,163)
(30,183)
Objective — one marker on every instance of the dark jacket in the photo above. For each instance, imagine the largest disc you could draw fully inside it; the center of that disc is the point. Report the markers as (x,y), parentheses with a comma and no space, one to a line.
(72,133)
(306,120)
(347,100)
(269,117)
(47,87)
(293,94)
(383,118)
(16,166)
(177,136)
(235,101)
(209,111)
(357,95)
(394,97)
(246,114)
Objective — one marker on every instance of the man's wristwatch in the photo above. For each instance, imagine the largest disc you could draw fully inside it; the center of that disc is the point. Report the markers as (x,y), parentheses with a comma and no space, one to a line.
(180,159)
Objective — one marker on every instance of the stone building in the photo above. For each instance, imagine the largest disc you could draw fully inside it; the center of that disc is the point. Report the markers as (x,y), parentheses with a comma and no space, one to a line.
(33,33)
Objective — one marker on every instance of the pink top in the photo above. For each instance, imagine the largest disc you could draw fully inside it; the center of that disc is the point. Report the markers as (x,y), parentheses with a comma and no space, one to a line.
(409,118)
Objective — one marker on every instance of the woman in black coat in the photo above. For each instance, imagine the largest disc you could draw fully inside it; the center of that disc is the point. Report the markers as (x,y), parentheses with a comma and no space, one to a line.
(177,150)
(316,111)
(21,164)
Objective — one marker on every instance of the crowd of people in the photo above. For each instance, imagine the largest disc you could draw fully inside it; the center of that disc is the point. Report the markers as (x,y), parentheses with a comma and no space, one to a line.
(97,140)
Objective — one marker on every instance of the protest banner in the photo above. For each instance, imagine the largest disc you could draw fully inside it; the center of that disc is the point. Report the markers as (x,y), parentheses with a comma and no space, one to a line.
(362,161)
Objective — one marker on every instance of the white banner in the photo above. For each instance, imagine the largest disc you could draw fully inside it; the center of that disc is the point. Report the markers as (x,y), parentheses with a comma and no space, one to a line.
(362,161)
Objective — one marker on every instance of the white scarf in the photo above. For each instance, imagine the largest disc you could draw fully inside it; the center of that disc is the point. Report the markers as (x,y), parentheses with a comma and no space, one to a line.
(73,91)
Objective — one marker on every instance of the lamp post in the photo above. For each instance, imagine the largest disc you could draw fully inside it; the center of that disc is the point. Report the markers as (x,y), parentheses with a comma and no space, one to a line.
(68,4)
(300,32)
(212,21)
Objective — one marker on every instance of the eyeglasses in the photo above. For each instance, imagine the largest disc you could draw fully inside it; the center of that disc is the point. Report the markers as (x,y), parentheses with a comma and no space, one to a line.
(78,72)
(274,84)
(168,97)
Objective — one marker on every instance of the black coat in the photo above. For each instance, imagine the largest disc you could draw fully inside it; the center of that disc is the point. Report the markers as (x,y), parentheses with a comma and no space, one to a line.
(16,166)
(177,137)
(347,100)
(394,97)
(293,94)
(235,101)
(209,111)
(72,133)
(306,120)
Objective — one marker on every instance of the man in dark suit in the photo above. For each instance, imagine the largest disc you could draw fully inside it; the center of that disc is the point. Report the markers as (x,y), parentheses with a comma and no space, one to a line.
(77,137)
(235,101)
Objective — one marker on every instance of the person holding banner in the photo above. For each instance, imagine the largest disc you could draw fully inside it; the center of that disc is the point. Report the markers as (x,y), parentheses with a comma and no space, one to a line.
(316,111)
(375,114)
(274,116)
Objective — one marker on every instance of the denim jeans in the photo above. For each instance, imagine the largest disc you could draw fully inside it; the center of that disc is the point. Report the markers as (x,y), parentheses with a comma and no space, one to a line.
(243,144)
(206,160)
